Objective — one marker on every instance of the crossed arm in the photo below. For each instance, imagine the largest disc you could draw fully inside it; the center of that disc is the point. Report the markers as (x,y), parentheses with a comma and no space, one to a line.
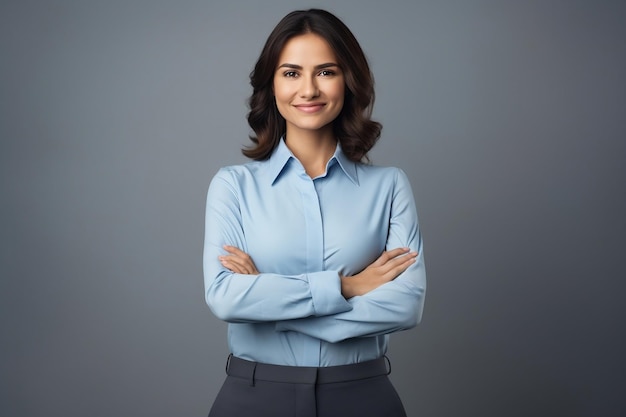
(386,268)
(375,308)
(384,297)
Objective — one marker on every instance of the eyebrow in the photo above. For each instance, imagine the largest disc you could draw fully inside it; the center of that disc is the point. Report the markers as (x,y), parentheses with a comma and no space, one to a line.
(317,67)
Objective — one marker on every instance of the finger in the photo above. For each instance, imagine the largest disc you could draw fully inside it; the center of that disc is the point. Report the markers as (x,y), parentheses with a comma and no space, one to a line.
(241,256)
(394,253)
(232,267)
(398,269)
(388,255)
(392,268)
(397,260)
(235,251)
(238,253)
(242,266)
(246,262)
(398,252)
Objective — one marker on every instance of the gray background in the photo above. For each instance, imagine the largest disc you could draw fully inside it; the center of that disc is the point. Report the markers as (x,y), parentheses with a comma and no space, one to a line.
(508,116)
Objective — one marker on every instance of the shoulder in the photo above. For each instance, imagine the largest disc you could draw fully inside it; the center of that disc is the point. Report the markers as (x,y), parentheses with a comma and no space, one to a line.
(378,169)
(388,175)
(229,182)
(234,174)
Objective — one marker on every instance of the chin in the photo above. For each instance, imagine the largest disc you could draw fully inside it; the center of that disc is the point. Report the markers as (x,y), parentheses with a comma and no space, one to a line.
(313,124)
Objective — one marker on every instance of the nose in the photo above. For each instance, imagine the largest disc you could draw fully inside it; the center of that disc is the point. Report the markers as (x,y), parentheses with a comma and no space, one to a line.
(308,88)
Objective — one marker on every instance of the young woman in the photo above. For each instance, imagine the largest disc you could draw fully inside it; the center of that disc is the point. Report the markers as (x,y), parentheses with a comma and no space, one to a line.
(312,256)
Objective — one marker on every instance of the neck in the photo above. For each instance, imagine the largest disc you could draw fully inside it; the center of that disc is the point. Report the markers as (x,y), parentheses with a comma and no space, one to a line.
(312,148)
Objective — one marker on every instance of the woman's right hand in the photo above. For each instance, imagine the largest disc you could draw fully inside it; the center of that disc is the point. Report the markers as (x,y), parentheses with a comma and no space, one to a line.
(384,269)
(238,261)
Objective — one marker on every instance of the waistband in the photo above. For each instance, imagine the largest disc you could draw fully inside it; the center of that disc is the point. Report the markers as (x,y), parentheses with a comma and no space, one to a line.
(242,368)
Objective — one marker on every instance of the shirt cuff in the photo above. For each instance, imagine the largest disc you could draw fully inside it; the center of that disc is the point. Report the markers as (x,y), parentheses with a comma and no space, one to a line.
(326,293)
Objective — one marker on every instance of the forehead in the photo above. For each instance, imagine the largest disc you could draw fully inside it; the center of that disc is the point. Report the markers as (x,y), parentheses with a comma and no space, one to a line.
(307,49)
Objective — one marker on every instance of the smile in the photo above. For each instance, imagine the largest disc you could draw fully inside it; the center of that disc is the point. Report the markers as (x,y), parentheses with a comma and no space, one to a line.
(310,107)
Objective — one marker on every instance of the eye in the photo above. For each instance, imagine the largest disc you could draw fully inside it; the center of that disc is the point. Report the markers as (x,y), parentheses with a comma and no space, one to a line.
(327,73)
(290,74)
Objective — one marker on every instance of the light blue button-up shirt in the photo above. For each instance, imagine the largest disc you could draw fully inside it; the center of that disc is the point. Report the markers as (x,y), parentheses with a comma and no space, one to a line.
(302,234)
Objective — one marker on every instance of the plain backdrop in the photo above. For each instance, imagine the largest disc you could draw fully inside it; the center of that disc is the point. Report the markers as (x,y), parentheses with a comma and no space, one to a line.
(509,118)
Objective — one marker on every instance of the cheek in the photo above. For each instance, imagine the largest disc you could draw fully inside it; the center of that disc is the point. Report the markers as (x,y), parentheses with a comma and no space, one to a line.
(283,90)
(281,99)
(281,104)
(340,95)
(339,92)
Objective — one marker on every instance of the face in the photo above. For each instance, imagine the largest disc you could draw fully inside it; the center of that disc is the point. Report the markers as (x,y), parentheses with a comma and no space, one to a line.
(308,84)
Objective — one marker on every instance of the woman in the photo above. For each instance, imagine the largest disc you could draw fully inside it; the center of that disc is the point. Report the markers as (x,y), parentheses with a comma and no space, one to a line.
(311,256)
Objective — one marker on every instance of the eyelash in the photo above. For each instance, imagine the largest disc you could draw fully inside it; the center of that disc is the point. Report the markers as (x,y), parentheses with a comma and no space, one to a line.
(324,73)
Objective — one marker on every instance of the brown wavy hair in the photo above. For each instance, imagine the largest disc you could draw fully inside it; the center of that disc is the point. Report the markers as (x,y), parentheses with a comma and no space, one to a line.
(353,127)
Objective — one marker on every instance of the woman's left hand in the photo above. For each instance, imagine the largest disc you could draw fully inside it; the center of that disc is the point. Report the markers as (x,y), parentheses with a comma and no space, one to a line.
(238,261)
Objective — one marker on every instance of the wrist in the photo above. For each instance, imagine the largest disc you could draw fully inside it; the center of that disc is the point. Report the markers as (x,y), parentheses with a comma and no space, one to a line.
(347,289)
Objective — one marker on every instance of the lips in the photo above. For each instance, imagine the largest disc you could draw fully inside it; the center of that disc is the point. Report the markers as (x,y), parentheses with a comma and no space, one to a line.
(310,107)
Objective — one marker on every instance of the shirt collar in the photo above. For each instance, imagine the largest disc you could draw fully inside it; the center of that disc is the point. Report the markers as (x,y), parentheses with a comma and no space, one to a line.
(281,156)
(278,160)
(348,166)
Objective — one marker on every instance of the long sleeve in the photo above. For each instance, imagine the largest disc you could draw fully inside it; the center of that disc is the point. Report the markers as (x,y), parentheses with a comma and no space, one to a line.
(256,298)
(394,306)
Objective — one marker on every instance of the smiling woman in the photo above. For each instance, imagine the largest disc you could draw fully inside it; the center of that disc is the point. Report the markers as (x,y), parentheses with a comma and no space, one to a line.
(308,86)
(353,127)
(312,256)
